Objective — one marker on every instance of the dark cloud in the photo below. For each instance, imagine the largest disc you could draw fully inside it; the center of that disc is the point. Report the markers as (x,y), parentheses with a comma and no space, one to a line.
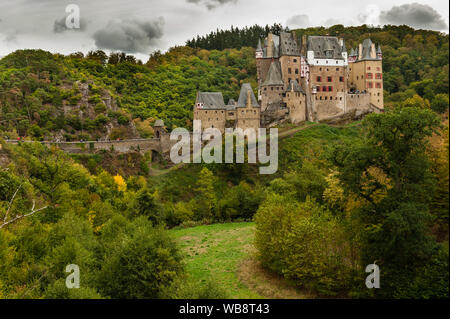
(419,16)
(130,36)
(211,4)
(60,25)
(298,21)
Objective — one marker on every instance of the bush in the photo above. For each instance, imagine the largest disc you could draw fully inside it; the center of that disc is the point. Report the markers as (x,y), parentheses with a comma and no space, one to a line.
(141,263)
(303,243)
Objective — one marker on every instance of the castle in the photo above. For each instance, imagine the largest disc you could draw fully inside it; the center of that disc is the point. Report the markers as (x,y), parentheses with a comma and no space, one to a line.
(309,79)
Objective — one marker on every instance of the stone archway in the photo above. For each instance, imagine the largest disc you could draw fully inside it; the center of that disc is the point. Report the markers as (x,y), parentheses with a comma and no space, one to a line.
(156,156)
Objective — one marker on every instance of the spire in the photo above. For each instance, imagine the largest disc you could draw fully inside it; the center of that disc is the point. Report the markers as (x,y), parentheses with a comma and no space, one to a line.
(259,47)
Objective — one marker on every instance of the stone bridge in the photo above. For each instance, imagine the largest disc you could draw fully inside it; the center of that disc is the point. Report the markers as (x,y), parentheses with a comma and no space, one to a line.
(159,147)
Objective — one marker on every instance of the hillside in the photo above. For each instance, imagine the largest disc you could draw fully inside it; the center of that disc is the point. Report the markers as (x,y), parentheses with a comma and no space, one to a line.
(43,95)
(75,97)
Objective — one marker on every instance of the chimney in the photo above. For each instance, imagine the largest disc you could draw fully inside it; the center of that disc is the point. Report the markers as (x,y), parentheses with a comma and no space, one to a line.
(360,51)
(269,45)
(304,47)
(249,99)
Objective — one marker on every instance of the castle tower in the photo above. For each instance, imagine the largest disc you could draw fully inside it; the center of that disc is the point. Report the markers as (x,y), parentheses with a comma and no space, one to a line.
(259,51)
(248,111)
(379,54)
(273,86)
(367,72)
(158,127)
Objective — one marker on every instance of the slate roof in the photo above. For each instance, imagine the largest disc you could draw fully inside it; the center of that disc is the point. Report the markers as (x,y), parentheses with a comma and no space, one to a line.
(273,76)
(294,86)
(276,46)
(258,47)
(242,101)
(211,100)
(320,44)
(288,44)
(366,48)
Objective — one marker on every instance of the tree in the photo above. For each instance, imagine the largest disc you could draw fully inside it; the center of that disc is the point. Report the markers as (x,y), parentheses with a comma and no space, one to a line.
(440,103)
(143,263)
(390,171)
(207,198)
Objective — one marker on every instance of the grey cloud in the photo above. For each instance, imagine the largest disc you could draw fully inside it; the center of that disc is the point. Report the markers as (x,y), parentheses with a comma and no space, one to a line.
(298,21)
(419,16)
(129,36)
(60,25)
(211,4)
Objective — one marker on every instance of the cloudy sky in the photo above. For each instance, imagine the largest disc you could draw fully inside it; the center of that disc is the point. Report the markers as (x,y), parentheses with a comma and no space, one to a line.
(142,26)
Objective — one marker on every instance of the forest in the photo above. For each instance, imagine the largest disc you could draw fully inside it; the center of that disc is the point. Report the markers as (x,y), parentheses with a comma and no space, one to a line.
(343,197)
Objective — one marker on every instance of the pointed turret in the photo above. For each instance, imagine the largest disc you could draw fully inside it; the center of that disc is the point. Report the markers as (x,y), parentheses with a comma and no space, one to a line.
(247,97)
(379,54)
(259,51)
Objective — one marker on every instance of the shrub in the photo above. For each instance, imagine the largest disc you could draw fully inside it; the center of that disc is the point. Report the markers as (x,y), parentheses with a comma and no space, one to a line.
(141,263)
(302,242)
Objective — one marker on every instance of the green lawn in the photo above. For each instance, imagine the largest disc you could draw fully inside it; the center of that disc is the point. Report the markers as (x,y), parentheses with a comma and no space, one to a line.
(215,251)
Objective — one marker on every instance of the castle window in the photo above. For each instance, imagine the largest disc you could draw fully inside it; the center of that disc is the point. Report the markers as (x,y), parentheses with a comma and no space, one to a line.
(331,97)
(368,68)
(320,69)
(320,97)
(326,97)
(296,71)
(341,79)
(330,89)
(378,68)
(329,79)
(340,98)
(295,60)
(369,75)
(318,89)
(337,69)
(289,70)
(319,79)
(378,85)
(378,76)
(324,88)
(369,85)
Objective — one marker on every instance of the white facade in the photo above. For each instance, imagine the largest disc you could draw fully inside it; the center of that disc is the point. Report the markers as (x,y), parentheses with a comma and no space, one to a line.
(327,62)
